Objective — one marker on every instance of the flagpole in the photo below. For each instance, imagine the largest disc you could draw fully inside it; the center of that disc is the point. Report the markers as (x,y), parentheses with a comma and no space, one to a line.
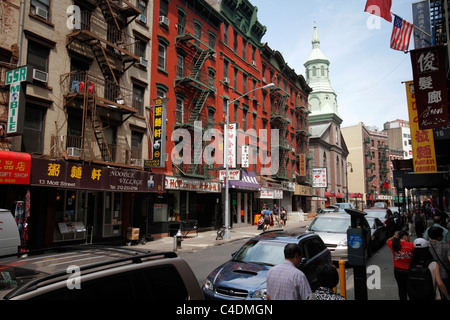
(416,27)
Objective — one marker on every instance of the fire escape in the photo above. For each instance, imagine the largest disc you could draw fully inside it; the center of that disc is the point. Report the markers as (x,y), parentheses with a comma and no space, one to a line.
(302,135)
(279,120)
(103,39)
(197,85)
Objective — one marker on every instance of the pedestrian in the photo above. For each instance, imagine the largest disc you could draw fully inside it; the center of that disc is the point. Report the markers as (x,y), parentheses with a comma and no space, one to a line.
(328,278)
(285,281)
(276,214)
(283,217)
(402,250)
(267,218)
(445,233)
(410,220)
(441,254)
(419,223)
(424,277)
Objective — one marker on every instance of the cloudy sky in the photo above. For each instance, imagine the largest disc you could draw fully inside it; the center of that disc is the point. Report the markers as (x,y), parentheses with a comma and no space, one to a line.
(365,73)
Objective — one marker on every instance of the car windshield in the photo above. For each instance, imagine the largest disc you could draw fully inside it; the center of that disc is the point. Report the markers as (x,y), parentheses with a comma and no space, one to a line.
(380,214)
(261,252)
(330,224)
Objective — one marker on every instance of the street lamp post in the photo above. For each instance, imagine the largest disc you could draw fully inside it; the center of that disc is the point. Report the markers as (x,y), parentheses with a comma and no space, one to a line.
(227,124)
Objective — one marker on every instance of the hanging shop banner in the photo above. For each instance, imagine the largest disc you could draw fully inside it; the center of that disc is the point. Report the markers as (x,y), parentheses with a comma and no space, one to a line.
(159,135)
(245,158)
(17,79)
(15,167)
(302,162)
(63,174)
(320,178)
(230,154)
(267,193)
(422,20)
(422,141)
(430,86)
(186,184)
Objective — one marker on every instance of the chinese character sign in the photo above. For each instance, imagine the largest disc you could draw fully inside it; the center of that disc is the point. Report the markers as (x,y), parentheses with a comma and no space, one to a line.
(15,168)
(320,177)
(424,157)
(430,87)
(230,154)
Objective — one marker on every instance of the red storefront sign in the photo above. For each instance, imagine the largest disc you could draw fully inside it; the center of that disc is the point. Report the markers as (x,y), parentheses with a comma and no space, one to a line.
(430,86)
(15,167)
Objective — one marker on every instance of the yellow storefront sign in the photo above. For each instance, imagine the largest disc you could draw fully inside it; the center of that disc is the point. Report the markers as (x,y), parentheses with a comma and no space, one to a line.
(424,155)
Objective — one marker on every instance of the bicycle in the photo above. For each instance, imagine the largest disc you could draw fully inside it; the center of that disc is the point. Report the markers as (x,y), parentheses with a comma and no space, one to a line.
(220,233)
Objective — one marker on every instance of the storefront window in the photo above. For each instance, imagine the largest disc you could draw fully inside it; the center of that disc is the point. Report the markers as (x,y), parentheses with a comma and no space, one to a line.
(69,216)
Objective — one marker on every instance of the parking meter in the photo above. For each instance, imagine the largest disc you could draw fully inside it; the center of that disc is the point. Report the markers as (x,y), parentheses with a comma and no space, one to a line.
(356,246)
(356,238)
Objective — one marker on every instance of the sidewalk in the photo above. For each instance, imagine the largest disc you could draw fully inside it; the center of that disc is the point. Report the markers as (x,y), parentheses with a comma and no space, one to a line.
(207,239)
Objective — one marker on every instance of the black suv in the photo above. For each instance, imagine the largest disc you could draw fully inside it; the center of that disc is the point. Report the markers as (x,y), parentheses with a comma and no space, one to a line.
(92,273)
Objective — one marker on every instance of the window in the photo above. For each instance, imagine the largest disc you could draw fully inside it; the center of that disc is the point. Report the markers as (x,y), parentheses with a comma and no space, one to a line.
(162,50)
(225,33)
(136,145)
(235,41)
(225,69)
(38,56)
(236,79)
(33,132)
(180,66)
(244,50)
(212,40)
(179,112)
(140,48)
(225,106)
(40,8)
(163,8)
(211,76)
(244,120)
(138,99)
(211,113)
(254,120)
(244,83)
(181,22)
(142,6)
(235,113)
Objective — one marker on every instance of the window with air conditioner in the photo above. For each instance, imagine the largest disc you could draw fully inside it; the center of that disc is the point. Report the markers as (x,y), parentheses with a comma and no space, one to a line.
(40,8)
(37,58)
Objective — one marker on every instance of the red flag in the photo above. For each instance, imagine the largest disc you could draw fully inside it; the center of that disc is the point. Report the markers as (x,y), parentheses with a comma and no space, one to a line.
(380,8)
(401,34)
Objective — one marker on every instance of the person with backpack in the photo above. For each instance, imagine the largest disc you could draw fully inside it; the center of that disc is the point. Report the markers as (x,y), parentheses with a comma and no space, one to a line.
(402,250)
(424,279)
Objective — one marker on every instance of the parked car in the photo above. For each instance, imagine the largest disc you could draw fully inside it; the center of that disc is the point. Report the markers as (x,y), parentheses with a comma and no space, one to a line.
(332,229)
(329,209)
(94,273)
(244,276)
(379,205)
(378,233)
(9,233)
(344,205)
(385,216)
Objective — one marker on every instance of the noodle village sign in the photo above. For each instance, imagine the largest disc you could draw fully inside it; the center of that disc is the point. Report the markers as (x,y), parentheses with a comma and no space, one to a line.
(17,79)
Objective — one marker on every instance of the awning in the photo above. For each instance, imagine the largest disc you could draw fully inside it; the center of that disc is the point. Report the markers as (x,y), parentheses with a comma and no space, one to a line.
(248,182)
(340,195)
(15,167)
(355,195)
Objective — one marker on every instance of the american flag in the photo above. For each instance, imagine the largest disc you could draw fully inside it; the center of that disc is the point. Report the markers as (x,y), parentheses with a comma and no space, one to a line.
(401,34)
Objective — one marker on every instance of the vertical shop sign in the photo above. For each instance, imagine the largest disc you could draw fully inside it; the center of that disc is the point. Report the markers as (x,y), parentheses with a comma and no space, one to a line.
(159,135)
(430,86)
(230,154)
(245,163)
(302,161)
(424,156)
(422,20)
(17,80)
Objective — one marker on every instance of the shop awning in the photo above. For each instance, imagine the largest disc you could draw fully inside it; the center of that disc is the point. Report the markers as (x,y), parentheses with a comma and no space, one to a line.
(248,182)
(15,167)
(355,195)
(340,195)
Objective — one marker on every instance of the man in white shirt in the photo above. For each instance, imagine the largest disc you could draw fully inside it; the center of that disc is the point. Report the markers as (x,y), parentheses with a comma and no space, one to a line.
(285,281)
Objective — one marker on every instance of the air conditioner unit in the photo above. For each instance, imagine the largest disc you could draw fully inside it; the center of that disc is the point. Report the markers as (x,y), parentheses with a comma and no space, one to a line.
(142,18)
(226,80)
(40,75)
(42,13)
(143,62)
(74,152)
(164,20)
(254,63)
(137,162)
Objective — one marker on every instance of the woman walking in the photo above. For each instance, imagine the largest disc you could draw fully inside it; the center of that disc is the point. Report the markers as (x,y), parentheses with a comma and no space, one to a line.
(402,250)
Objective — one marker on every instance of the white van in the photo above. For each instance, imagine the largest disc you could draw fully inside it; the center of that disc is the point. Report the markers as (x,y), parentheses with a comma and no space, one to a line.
(9,233)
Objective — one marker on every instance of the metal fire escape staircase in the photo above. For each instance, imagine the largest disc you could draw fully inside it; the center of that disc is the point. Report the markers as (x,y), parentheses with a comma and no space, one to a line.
(281,122)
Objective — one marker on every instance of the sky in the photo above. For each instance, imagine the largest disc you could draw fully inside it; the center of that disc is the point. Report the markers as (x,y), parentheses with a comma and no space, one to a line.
(365,72)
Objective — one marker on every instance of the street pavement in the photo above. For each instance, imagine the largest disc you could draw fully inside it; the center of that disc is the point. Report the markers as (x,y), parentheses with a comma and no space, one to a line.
(380,271)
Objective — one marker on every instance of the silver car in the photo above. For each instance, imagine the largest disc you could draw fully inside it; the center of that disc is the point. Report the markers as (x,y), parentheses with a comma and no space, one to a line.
(332,229)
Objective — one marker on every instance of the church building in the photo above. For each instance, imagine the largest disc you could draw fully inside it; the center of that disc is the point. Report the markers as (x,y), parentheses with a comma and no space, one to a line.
(327,146)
